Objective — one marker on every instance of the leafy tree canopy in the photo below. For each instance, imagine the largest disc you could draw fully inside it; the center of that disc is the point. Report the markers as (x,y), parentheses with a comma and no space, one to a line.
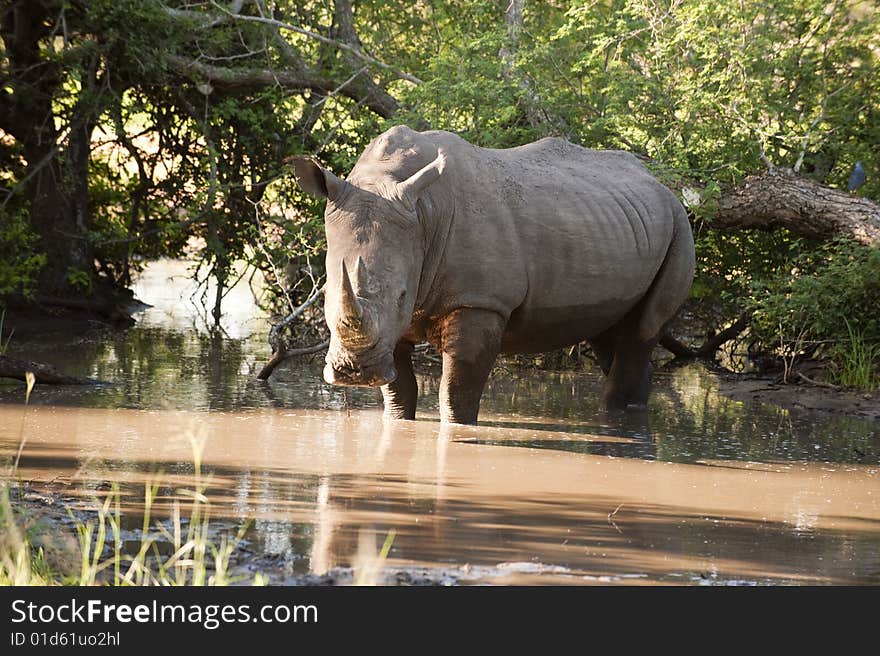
(132,129)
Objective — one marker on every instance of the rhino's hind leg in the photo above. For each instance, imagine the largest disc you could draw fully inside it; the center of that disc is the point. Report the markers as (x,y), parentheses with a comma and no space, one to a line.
(629,380)
(400,396)
(603,349)
(469,340)
(626,364)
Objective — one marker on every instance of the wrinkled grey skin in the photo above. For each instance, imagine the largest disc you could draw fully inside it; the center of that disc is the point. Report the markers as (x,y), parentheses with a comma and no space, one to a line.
(482,252)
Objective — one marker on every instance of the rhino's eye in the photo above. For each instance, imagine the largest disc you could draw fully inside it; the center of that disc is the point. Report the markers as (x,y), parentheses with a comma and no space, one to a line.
(401,298)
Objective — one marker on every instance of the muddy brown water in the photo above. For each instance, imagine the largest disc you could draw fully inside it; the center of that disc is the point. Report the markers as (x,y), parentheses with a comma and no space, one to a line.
(699,489)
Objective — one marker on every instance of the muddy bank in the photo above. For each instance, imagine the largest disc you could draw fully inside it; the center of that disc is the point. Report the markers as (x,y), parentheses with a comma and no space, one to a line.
(107,305)
(49,520)
(801,396)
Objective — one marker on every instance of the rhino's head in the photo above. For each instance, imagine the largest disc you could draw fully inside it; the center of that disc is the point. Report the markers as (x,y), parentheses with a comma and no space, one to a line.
(374,262)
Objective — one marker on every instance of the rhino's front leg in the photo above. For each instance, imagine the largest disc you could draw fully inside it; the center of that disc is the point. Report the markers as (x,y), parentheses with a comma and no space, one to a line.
(469,341)
(401,395)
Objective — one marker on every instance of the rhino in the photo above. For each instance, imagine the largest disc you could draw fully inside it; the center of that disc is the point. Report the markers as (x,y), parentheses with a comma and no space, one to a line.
(483,251)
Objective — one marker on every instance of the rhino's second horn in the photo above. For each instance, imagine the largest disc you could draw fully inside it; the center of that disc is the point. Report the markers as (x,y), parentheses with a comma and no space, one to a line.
(361,281)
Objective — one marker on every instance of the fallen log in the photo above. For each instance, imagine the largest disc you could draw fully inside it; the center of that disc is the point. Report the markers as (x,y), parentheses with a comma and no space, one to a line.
(111,310)
(781,198)
(43,373)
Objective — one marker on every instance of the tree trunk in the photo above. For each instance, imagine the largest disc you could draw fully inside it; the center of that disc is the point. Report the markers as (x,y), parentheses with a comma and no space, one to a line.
(56,179)
(60,217)
(783,199)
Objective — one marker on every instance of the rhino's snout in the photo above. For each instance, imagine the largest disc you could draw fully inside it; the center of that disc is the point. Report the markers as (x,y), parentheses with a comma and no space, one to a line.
(337,374)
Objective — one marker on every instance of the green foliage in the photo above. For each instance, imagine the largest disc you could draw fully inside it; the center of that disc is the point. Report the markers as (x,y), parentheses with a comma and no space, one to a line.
(80,280)
(730,265)
(702,87)
(708,86)
(708,91)
(20,260)
(858,361)
(181,160)
(826,300)
(465,89)
(20,563)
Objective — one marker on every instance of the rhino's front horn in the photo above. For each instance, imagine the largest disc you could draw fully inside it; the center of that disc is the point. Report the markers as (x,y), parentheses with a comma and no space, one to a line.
(351,307)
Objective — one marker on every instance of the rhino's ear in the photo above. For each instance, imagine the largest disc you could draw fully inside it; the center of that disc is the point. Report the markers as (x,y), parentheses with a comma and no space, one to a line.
(315,179)
(411,188)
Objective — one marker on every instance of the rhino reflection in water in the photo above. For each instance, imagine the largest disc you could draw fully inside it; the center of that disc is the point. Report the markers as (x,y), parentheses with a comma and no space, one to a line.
(482,251)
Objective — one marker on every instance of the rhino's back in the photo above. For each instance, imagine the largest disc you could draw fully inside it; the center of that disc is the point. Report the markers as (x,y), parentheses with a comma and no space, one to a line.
(555,189)
(561,239)
(566,239)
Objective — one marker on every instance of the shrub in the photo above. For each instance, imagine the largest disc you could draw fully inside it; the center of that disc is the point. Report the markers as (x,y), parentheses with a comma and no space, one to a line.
(826,302)
(20,261)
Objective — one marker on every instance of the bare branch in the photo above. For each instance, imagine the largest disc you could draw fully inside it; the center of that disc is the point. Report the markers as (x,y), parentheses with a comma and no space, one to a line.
(205,20)
(340,88)
(818,383)
(382,103)
(32,171)
(290,318)
(353,49)
(733,331)
(245,77)
(707,351)
(280,351)
(280,356)
(677,348)
(296,74)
